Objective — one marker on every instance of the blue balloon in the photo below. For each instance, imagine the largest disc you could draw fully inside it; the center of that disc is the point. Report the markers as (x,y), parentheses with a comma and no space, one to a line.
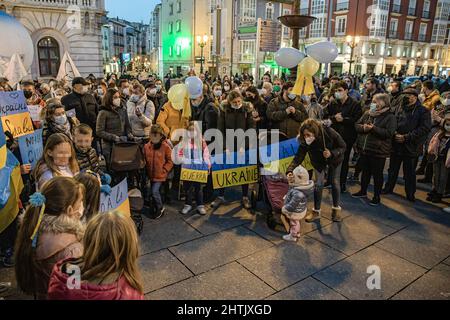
(195,87)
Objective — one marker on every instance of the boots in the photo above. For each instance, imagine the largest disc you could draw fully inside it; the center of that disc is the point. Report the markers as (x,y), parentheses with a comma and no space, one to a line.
(336,214)
(313,216)
(437,198)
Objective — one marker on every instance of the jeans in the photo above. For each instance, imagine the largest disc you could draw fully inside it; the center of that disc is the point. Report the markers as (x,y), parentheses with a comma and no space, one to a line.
(372,166)
(409,173)
(333,178)
(440,176)
(156,194)
(193,189)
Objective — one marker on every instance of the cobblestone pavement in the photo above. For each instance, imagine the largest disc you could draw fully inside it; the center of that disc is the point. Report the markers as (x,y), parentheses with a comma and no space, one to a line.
(233,255)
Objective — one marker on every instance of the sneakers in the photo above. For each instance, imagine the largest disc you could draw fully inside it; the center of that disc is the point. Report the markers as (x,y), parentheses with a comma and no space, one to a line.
(336,214)
(157,213)
(359,195)
(290,238)
(246,203)
(376,201)
(217,203)
(446,210)
(201,210)
(313,216)
(186,210)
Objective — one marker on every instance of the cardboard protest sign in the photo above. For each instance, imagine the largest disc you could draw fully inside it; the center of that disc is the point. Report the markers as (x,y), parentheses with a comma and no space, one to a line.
(14,114)
(117,200)
(233,173)
(31,148)
(71,113)
(35,112)
(195,173)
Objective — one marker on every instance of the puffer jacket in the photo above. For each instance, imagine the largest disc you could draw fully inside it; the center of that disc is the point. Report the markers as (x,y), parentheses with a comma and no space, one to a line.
(85,106)
(158,161)
(140,126)
(58,289)
(415,123)
(288,124)
(171,119)
(59,238)
(432,100)
(377,142)
(333,142)
(88,160)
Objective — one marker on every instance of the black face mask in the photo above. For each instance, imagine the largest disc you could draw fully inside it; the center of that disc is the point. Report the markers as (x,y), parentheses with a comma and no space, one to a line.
(28,94)
(406,101)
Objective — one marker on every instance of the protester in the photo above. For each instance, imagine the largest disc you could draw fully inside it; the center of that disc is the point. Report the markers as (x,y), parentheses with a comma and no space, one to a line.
(87,157)
(108,267)
(92,183)
(371,88)
(429,97)
(51,231)
(56,121)
(141,113)
(267,92)
(259,112)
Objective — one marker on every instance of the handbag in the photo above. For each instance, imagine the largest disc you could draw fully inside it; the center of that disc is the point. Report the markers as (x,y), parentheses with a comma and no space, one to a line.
(127,156)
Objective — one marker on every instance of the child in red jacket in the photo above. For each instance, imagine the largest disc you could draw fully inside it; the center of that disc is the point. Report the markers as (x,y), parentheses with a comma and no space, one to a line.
(158,158)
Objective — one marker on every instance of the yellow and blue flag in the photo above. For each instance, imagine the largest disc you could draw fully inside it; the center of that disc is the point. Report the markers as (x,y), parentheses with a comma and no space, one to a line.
(2,147)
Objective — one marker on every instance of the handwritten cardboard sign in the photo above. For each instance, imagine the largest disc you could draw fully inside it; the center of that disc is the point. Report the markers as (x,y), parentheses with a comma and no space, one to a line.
(117,200)
(35,112)
(31,148)
(195,173)
(14,114)
(234,173)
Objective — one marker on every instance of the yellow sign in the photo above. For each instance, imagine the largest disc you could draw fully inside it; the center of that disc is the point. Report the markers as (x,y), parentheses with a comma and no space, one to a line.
(235,177)
(19,124)
(194,175)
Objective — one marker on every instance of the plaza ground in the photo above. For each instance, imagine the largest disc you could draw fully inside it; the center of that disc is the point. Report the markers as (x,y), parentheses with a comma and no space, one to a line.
(233,255)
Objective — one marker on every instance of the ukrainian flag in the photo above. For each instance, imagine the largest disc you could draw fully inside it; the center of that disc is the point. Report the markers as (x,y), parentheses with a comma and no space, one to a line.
(2,147)
(14,188)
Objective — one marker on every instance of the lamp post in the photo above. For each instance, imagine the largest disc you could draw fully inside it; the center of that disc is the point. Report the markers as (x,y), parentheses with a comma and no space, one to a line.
(202,41)
(352,42)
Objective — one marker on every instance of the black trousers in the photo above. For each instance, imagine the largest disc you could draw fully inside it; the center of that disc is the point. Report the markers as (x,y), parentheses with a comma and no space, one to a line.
(345,163)
(372,167)
(409,173)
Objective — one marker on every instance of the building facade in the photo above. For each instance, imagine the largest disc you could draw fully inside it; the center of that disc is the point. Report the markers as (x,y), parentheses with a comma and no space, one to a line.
(155,41)
(56,27)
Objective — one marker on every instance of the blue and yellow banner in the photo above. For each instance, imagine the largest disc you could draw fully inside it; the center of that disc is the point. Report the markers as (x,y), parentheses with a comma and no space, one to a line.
(237,170)
(31,148)
(117,200)
(3,148)
(14,114)
(195,173)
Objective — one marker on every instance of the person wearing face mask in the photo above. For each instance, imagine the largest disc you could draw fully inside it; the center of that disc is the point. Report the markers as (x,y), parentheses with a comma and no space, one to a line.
(113,125)
(413,127)
(235,114)
(371,88)
(429,97)
(326,149)
(56,121)
(259,112)
(375,131)
(84,103)
(395,92)
(344,112)
(217,94)
(267,92)
(33,98)
(227,87)
(124,89)
(352,92)
(277,85)
(286,113)
(439,156)
(141,113)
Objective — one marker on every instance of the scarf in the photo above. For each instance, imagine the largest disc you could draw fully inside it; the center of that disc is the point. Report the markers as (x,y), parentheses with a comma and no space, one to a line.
(64,128)
(378,113)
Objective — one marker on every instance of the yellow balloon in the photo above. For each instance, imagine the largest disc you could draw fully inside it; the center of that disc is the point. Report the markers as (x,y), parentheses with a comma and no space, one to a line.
(177,96)
(308,67)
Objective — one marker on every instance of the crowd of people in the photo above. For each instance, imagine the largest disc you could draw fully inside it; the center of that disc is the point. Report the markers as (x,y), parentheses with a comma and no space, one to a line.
(348,122)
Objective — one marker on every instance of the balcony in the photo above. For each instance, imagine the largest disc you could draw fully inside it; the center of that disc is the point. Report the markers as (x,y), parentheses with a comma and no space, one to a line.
(426,14)
(408,36)
(393,34)
(396,8)
(84,4)
(422,37)
(343,6)
(304,11)
(412,12)
(246,58)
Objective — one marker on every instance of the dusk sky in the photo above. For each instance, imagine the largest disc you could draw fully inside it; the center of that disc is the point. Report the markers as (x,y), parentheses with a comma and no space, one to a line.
(132,10)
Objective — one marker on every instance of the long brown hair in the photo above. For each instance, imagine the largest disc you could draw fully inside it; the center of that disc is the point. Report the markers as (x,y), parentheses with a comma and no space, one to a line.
(111,246)
(108,98)
(316,128)
(46,161)
(60,193)
(92,199)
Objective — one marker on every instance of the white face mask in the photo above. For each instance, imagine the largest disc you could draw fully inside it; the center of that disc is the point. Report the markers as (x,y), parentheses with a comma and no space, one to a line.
(226,88)
(126,91)
(158,88)
(373,107)
(152,92)
(60,119)
(236,106)
(117,102)
(422,97)
(339,95)
(100,92)
(218,93)
(292,96)
(310,141)
(445,102)
(447,127)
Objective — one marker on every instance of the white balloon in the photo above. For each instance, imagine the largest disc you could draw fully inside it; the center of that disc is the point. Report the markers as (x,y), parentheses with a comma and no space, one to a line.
(323,52)
(15,39)
(195,87)
(289,57)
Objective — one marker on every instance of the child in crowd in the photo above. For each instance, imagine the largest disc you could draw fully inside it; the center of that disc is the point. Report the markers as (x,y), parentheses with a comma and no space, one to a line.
(58,159)
(158,156)
(51,231)
(438,153)
(296,201)
(195,151)
(56,121)
(109,266)
(86,155)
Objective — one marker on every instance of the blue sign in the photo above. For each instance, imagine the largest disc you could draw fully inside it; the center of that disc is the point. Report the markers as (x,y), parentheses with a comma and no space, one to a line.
(31,148)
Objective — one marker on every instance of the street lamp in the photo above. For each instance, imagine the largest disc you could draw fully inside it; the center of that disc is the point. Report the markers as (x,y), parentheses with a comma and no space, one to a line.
(202,41)
(352,42)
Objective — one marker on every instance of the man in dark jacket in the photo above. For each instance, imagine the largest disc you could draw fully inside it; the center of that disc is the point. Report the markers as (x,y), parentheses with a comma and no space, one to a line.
(204,110)
(413,126)
(395,92)
(344,112)
(372,87)
(84,104)
(286,113)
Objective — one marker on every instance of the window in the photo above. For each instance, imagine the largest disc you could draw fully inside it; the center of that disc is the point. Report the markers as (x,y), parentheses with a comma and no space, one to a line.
(248,10)
(389,51)
(170,51)
(372,49)
(247,50)
(432,53)
(423,32)
(49,57)
(269,11)
(379,18)
(179,6)
(318,28)
(171,9)
(412,8)
(304,7)
(319,6)
(178,25)
(342,5)
(426,9)
(393,28)
(178,50)
(170,27)
(341,25)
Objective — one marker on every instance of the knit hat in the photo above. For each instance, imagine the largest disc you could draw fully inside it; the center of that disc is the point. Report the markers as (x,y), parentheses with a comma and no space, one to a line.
(156,128)
(295,205)
(302,181)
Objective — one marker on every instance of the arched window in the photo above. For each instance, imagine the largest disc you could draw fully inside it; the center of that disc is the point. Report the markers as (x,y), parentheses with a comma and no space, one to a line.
(49,57)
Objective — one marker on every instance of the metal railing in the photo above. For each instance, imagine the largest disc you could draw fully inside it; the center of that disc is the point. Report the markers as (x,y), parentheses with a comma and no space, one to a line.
(411,11)
(91,4)
(342,6)
(422,37)
(396,8)
(408,35)
(426,14)
(393,34)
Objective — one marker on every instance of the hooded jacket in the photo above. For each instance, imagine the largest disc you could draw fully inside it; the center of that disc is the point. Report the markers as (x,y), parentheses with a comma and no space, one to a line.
(432,100)
(171,119)
(207,113)
(158,161)
(59,290)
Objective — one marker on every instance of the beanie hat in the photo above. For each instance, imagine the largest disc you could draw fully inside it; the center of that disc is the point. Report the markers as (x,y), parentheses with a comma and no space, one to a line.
(295,205)
(302,181)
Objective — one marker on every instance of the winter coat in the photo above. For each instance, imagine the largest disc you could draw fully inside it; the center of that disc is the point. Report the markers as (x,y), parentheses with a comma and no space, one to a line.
(351,112)
(50,128)
(85,106)
(396,100)
(334,143)
(206,113)
(367,99)
(58,289)
(260,105)
(288,124)
(158,161)
(88,160)
(170,119)
(295,204)
(158,101)
(415,123)
(140,126)
(439,146)
(432,100)
(59,238)
(377,142)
